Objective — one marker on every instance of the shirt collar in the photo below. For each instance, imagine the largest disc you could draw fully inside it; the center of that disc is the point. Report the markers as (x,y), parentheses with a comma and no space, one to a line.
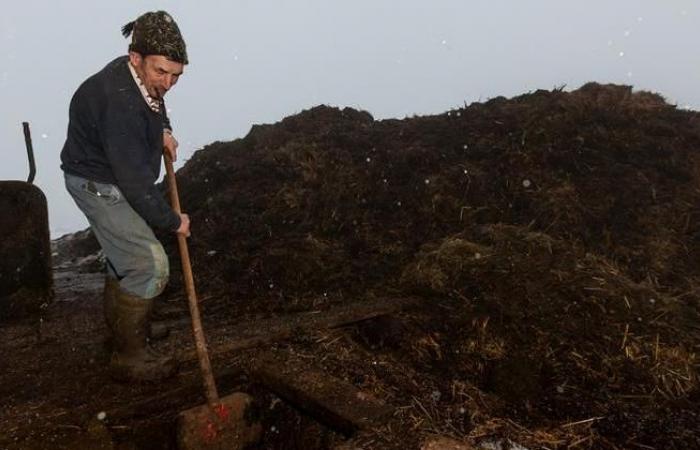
(152,103)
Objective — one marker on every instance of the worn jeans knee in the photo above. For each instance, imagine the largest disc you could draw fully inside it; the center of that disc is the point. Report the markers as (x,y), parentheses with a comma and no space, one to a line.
(160,271)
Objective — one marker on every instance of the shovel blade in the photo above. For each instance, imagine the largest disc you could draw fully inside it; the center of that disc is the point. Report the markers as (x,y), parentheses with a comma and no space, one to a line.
(231,426)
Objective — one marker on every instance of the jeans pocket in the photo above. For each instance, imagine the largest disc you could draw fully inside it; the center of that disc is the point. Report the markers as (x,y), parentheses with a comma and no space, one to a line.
(106,192)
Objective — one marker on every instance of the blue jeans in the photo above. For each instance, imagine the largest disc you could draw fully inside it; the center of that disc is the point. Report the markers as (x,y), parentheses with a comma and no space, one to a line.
(134,256)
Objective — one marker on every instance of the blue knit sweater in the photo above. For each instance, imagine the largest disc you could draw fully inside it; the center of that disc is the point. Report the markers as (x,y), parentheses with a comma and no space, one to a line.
(114,137)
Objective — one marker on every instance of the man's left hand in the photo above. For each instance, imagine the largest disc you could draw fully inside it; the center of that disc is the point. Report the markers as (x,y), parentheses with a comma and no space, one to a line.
(170,145)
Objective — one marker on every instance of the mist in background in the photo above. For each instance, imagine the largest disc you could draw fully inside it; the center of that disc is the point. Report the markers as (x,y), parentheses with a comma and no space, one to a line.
(260,61)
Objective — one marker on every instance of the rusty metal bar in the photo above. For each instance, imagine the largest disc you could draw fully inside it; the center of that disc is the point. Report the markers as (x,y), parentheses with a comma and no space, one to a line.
(30,152)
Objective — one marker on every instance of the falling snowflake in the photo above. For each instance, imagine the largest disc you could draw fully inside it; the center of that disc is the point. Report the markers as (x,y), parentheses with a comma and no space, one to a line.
(527,183)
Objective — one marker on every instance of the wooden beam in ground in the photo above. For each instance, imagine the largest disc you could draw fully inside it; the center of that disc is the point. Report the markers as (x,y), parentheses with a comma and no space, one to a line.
(330,400)
(259,332)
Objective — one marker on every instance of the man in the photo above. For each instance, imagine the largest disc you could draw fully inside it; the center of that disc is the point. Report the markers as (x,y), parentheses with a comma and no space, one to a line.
(117,132)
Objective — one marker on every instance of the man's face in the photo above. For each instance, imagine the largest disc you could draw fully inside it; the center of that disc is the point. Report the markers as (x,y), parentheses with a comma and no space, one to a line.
(157,73)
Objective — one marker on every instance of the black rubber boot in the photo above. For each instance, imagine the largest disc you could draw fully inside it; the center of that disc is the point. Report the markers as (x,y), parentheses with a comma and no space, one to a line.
(156,330)
(132,358)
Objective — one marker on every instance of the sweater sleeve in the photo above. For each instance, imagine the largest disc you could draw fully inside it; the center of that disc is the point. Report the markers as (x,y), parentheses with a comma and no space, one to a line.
(124,137)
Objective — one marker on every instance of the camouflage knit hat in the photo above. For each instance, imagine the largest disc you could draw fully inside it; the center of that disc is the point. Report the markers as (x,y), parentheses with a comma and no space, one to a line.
(156,33)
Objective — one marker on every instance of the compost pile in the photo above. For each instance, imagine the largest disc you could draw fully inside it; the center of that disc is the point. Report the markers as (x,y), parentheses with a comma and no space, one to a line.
(552,239)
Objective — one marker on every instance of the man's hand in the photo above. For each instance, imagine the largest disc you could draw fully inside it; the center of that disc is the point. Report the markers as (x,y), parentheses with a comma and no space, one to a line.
(170,145)
(184,225)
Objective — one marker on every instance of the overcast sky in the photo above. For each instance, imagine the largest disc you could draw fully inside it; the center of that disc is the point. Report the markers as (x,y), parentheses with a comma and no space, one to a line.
(257,61)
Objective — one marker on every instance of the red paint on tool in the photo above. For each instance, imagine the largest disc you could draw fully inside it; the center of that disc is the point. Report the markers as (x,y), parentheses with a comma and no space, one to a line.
(223,412)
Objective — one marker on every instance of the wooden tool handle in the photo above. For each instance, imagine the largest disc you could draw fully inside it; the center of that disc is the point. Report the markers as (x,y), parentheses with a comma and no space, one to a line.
(200,342)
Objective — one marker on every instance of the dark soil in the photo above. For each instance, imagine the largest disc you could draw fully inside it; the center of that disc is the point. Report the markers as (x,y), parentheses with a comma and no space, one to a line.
(552,240)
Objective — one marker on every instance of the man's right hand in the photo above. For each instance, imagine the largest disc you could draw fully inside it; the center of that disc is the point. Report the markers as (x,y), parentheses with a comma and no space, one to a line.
(184,225)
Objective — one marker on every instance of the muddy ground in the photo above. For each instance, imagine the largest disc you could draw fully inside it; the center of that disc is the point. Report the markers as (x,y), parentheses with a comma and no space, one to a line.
(543,251)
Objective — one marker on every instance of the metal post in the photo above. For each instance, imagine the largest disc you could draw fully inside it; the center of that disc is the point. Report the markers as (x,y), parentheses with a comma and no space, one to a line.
(30,152)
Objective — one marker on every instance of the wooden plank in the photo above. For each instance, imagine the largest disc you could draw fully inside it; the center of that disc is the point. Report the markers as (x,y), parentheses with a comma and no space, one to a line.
(259,332)
(330,400)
